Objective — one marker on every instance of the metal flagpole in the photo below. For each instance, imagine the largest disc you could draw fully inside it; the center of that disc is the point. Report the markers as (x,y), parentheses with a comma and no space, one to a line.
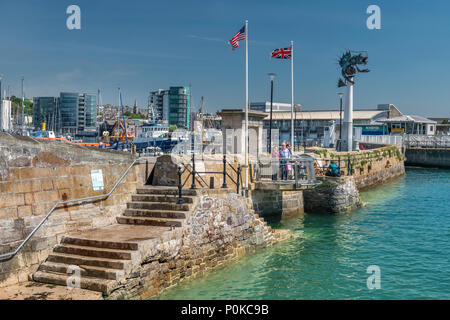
(23,107)
(292,95)
(246,105)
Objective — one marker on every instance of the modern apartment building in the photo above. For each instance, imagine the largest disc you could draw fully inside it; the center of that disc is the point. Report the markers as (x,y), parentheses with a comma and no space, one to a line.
(173,105)
(71,113)
(78,112)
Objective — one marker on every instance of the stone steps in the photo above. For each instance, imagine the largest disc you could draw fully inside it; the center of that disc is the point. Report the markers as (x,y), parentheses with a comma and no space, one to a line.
(160,198)
(88,271)
(155,213)
(74,259)
(132,246)
(158,206)
(106,255)
(93,252)
(94,284)
(160,222)
(158,190)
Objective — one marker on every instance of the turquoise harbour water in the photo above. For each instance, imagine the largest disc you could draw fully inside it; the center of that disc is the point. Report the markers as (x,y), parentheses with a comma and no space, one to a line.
(404,229)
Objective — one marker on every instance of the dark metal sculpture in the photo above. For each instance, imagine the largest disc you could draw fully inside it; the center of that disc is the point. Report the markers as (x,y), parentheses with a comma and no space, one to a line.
(349,66)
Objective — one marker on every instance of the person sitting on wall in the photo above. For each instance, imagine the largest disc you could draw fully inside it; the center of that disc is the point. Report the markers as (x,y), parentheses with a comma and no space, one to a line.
(333,170)
(325,166)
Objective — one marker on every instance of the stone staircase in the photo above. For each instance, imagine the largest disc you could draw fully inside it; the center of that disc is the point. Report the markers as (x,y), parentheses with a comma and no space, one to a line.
(107,255)
(158,207)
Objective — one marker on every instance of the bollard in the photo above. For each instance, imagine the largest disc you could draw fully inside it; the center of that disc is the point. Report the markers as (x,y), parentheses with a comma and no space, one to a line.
(211,182)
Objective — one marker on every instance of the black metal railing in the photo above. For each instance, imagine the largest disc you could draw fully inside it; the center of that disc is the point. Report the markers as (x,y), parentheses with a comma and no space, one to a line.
(297,170)
(196,176)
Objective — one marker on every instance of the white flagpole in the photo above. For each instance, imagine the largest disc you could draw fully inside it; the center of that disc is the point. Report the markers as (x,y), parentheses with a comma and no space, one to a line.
(246,105)
(292,95)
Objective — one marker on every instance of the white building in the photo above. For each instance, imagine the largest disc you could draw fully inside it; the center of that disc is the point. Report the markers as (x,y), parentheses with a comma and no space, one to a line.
(5,115)
(265,106)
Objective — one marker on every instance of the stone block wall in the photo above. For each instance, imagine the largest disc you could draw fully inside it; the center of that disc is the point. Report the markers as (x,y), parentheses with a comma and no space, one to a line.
(221,229)
(428,157)
(334,196)
(277,204)
(34,176)
(373,166)
(380,169)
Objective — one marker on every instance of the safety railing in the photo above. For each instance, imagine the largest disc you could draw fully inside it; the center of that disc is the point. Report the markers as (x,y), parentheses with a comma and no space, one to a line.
(421,141)
(382,139)
(194,175)
(300,171)
(10,255)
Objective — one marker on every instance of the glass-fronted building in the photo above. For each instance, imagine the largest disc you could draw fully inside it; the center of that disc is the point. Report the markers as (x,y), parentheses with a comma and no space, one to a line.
(46,110)
(71,113)
(179,107)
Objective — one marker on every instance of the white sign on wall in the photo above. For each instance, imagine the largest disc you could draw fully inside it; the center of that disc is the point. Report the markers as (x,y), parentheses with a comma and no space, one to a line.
(97,180)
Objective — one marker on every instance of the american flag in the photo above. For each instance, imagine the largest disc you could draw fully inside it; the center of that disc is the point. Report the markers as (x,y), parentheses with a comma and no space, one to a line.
(282,53)
(237,37)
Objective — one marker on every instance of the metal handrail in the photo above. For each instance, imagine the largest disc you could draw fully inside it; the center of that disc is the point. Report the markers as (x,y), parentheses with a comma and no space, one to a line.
(10,255)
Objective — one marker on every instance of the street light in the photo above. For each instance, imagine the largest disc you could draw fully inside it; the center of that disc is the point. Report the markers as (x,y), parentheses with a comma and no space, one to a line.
(269,144)
(340,94)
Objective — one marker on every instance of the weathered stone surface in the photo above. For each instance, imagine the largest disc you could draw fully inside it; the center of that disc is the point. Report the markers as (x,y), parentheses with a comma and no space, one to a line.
(333,196)
(221,228)
(35,174)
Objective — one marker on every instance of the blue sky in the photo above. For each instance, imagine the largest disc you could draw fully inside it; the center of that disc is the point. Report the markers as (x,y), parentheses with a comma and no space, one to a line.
(146,45)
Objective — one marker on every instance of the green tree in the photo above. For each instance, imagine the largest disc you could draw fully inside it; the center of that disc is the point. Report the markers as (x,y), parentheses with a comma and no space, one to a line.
(173,127)
(132,115)
(16,103)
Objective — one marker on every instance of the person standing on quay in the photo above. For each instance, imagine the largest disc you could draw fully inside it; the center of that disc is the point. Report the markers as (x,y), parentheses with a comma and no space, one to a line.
(284,155)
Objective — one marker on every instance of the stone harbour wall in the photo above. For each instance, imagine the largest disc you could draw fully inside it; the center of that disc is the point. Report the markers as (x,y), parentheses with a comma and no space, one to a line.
(221,229)
(386,165)
(428,157)
(336,195)
(34,175)
(276,204)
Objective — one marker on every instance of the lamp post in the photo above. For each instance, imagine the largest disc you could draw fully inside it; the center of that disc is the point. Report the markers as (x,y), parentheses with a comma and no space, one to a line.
(269,144)
(340,94)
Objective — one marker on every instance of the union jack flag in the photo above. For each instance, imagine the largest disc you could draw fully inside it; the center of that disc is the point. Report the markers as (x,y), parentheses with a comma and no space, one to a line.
(282,53)
(237,37)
